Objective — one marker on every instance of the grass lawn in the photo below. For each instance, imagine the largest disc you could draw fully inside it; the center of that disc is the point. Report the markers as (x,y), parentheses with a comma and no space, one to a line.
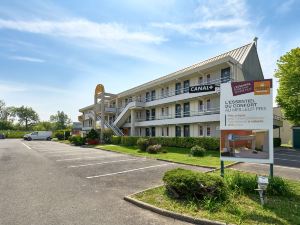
(240,209)
(181,155)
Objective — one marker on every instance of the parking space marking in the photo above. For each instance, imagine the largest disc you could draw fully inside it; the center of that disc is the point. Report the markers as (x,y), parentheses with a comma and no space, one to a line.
(287,167)
(92,164)
(279,154)
(71,154)
(87,157)
(66,152)
(26,145)
(128,171)
(292,160)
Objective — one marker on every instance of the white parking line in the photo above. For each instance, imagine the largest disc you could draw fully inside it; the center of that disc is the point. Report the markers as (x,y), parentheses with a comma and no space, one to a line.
(26,145)
(66,152)
(60,160)
(92,164)
(286,167)
(128,171)
(287,155)
(71,154)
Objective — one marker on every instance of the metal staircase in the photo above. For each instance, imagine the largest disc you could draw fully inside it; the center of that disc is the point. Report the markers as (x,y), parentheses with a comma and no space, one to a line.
(112,126)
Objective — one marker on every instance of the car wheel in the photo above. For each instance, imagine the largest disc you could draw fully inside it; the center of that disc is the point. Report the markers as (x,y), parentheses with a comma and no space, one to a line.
(29,139)
(48,139)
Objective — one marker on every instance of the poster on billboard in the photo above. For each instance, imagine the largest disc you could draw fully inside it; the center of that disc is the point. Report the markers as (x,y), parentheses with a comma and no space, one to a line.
(246,121)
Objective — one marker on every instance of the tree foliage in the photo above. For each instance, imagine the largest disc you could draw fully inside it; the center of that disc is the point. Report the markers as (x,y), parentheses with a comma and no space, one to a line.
(26,116)
(288,97)
(61,120)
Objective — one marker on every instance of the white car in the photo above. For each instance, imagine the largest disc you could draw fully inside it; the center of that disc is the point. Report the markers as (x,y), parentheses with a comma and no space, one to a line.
(38,135)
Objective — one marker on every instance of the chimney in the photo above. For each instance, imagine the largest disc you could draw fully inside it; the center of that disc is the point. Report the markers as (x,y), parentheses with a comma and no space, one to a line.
(255,40)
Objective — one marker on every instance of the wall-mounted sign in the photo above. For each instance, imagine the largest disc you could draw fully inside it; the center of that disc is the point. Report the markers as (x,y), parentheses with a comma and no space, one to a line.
(202,88)
(246,121)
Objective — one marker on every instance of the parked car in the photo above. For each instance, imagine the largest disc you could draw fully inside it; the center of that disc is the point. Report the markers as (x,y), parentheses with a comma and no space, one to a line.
(2,136)
(38,135)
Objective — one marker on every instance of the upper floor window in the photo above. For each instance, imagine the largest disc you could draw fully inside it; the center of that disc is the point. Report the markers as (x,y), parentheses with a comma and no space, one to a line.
(208,78)
(162,111)
(167,111)
(177,88)
(153,97)
(225,75)
(186,85)
(200,108)
(200,81)
(162,93)
(208,105)
(167,92)
(147,96)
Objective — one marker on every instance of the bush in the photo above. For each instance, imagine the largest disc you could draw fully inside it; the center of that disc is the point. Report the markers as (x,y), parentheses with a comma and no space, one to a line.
(116,140)
(153,149)
(279,187)
(129,140)
(14,134)
(277,142)
(197,151)
(107,136)
(67,134)
(59,135)
(187,184)
(142,144)
(77,140)
(93,134)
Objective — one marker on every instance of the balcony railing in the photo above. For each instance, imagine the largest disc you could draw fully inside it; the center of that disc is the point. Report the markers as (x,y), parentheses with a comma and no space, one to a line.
(181,114)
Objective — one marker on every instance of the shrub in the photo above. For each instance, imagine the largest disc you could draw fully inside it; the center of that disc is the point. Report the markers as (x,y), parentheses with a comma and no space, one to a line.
(142,144)
(279,187)
(129,140)
(197,151)
(59,135)
(14,134)
(77,140)
(107,136)
(188,184)
(276,142)
(154,149)
(241,182)
(93,134)
(67,134)
(116,140)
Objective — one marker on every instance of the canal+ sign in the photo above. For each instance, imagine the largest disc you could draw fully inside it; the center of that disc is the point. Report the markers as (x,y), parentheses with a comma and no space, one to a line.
(202,88)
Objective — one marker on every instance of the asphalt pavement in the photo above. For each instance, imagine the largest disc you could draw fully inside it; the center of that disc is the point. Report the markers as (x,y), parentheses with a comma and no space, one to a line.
(43,182)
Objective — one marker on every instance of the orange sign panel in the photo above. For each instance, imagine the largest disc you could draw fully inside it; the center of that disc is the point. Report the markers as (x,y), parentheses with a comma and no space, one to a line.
(262,87)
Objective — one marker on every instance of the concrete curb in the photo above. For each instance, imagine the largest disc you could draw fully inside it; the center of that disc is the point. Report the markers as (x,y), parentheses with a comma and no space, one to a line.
(171,214)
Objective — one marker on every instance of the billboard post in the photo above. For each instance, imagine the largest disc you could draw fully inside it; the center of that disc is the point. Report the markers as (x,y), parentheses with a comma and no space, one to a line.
(246,122)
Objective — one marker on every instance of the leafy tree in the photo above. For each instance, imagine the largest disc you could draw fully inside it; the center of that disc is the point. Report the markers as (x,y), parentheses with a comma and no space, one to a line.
(288,97)
(61,120)
(26,116)
(6,125)
(44,126)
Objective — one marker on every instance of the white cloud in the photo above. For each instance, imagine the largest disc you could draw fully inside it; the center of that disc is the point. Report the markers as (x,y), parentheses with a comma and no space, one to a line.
(27,59)
(82,29)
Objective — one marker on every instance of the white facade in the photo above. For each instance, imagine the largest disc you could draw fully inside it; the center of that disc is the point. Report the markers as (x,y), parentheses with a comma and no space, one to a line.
(164,107)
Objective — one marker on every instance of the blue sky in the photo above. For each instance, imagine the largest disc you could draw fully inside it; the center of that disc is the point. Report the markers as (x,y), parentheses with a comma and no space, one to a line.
(53,53)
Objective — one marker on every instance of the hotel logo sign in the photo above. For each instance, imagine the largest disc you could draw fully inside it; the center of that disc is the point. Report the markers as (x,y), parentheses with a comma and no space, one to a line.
(202,88)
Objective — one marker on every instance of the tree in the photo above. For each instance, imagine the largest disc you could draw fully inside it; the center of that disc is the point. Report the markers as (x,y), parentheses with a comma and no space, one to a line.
(26,116)
(61,120)
(44,126)
(288,97)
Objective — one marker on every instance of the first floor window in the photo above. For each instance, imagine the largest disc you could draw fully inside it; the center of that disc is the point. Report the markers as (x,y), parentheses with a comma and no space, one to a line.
(167,131)
(162,131)
(200,81)
(178,131)
(200,130)
(208,131)
(153,131)
(208,104)
(186,130)
(147,132)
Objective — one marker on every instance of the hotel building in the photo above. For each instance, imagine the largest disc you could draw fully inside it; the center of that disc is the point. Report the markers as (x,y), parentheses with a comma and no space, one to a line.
(165,106)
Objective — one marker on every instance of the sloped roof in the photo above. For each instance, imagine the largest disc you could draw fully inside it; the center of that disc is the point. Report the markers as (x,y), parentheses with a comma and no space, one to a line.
(238,54)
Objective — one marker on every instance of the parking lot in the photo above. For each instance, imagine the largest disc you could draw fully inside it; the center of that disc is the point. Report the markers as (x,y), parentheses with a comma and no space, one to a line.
(44,182)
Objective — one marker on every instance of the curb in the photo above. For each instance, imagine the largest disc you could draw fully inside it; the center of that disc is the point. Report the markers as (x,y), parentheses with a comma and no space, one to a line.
(171,214)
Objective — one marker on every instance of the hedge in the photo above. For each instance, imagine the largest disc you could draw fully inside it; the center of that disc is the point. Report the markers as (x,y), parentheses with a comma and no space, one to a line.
(209,143)
(277,142)
(14,134)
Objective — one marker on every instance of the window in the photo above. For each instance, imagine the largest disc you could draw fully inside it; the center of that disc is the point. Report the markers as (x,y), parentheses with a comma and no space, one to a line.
(126,101)
(167,92)
(147,132)
(186,85)
(162,112)
(186,130)
(200,107)
(177,88)
(208,78)
(153,97)
(147,96)
(152,114)
(162,131)
(208,131)
(208,104)
(225,75)
(167,111)
(178,131)
(200,81)
(177,111)
(200,130)
(162,93)
(167,128)
(140,132)
(153,131)
(147,115)
(186,109)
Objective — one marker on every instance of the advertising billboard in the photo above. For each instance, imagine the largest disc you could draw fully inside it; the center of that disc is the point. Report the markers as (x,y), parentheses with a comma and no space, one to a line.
(246,121)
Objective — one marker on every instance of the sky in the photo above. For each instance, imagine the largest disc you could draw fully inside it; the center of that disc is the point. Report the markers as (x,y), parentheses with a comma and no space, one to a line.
(54,53)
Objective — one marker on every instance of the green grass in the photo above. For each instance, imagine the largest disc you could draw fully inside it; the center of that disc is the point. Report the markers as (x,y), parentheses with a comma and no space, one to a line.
(239,209)
(286,145)
(174,154)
